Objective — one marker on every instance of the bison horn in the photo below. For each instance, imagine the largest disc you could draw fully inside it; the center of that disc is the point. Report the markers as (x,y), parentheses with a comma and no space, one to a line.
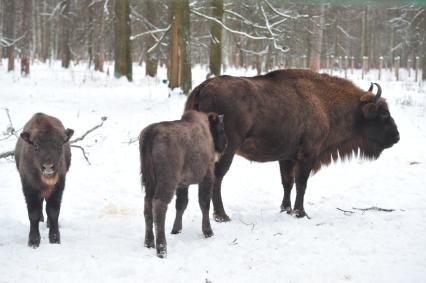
(379,92)
(371,87)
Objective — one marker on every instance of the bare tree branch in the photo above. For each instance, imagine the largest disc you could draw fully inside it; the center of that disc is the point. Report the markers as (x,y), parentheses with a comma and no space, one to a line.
(103,119)
(83,151)
(89,131)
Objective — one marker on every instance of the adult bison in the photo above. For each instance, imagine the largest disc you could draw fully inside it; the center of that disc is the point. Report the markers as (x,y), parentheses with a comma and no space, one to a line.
(173,156)
(299,118)
(43,158)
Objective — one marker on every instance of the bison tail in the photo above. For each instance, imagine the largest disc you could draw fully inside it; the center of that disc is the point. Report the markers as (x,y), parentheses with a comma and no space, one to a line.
(147,166)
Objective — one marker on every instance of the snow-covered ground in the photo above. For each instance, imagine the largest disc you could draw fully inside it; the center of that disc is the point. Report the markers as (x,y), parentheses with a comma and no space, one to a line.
(102,225)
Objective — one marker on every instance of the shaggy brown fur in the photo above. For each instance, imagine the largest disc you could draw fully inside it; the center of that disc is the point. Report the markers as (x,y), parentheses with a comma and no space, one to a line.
(297,117)
(173,156)
(43,158)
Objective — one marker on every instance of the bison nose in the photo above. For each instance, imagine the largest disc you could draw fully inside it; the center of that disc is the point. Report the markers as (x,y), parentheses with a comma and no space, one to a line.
(397,138)
(48,168)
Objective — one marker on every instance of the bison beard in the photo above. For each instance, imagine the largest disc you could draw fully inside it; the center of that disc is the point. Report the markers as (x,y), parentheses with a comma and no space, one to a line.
(299,118)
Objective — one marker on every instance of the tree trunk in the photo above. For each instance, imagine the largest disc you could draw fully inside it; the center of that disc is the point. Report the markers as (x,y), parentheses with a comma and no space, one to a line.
(96,46)
(123,60)
(9,32)
(65,22)
(186,76)
(317,30)
(150,11)
(180,51)
(174,44)
(216,39)
(45,33)
(364,39)
(27,33)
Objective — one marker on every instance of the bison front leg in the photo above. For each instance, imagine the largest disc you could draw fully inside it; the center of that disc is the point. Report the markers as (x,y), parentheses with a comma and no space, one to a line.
(221,168)
(181,204)
(53,208)
(287,179)
(204,196)
(34,207)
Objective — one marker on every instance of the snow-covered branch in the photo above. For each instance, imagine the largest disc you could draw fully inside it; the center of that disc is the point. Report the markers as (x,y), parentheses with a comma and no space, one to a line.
(164,30)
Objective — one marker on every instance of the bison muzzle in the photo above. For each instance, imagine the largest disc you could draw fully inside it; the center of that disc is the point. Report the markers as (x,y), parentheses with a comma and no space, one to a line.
(43,158)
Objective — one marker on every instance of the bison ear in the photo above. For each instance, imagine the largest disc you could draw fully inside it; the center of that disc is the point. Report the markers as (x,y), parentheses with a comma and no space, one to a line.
(68,134)
(26,136)
(369,111)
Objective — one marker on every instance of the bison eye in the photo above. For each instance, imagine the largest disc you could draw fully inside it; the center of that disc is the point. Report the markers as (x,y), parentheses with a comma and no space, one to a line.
(384,114)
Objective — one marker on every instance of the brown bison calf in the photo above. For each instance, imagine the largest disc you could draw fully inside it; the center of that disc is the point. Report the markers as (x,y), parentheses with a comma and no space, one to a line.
(173,156)
(43,158)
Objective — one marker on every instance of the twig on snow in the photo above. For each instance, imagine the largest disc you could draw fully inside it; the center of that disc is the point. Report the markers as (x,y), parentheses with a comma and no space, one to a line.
(7,154)
(248,224)
(83,151)
(374,208)
(346,212)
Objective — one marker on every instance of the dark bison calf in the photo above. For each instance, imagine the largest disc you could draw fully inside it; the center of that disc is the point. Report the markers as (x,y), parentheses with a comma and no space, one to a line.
(43,158)
(173,156)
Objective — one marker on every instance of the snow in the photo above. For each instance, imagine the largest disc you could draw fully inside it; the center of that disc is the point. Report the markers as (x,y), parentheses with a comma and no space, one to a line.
(101,221)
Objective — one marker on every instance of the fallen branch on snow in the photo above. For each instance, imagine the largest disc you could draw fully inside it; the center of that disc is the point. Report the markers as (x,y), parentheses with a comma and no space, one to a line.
(374,208)
(103,119)
(89,131)
(345,212)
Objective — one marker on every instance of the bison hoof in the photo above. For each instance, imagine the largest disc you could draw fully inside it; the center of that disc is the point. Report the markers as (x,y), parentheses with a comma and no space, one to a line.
(34,242)
(221,217)
(286,209)
(55,238)
(300,213)
(176,231)
(161,251)
(208,233)
(149,244)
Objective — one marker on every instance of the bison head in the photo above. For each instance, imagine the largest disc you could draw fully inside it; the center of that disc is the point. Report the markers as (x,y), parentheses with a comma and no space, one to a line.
(217,130)
(379,127)
(47,147)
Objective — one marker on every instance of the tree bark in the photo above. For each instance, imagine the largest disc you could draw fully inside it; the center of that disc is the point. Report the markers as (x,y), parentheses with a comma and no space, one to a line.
(150,11)
(123,60)
(174,44)
(97,47)
(9,32)
(65,22)
(364,39)
(186,76)
(216,39)
(317,30)
(27,33)
(180,51)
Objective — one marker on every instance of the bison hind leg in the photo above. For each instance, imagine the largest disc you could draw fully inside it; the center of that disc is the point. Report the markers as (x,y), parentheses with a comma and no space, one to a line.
(181,204)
